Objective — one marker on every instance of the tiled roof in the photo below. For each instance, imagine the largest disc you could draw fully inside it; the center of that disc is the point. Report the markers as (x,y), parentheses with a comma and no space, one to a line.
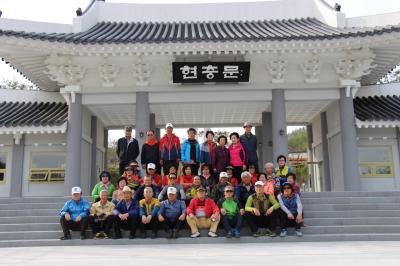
(21,114)
(153,32)
(377,108)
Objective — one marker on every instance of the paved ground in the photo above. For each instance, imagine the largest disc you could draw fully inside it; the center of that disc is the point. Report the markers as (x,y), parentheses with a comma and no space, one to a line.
(322,253)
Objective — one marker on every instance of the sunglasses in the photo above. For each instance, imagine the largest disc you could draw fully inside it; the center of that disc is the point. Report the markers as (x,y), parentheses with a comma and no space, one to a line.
(230,191)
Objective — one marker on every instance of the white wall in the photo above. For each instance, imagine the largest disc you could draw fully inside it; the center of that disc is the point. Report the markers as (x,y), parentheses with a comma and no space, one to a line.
(42,189)
(382,183)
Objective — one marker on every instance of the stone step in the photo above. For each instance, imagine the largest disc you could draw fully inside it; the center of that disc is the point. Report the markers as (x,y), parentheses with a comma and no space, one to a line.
(311,230)
(351,194)
(350,200)
(29,212)
(27,206)
(201,240)
(351,214)
(389,220)
(29,219)
(61,200)
(353,221)
(354,206)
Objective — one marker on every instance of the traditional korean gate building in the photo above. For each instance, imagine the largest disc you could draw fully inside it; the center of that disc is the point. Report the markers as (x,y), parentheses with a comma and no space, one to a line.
(309,65)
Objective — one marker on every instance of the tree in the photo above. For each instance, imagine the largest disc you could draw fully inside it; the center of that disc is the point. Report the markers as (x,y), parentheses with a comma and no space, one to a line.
(298,140)
(13,84)
(392,77)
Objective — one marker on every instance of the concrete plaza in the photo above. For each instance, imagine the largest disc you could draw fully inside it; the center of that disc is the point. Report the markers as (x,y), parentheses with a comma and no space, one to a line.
(322,253)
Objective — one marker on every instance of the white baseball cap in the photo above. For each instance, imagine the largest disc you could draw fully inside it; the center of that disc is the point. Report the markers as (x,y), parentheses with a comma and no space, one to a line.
(259,183)
(169,125)
(223,174)
(76,190)
(171,190)
(151,166)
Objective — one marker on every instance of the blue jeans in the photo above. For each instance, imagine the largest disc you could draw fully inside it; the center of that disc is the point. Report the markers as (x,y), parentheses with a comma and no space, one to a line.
(230,223)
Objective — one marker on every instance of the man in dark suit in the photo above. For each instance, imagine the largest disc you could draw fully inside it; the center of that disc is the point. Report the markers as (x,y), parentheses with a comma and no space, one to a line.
(127,149)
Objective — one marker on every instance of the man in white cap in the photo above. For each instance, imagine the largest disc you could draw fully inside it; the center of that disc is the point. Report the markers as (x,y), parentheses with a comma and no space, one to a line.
(217,191)
(261,211)
(127,149)
(249,143)
(74,214)
(170,149)
(155,177)
(126,214)
(172,213)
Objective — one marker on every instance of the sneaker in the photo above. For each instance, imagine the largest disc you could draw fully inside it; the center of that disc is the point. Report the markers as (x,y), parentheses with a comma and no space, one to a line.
(212,234)
(273,234)
(268,232)
(66,237)
(236,233)
(229,235)
(257,234)
(299,233)
(283,233)
(194,235)
(105,236)
(97,236)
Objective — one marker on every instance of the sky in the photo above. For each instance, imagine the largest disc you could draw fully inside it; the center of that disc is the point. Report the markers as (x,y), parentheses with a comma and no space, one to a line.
(63,11)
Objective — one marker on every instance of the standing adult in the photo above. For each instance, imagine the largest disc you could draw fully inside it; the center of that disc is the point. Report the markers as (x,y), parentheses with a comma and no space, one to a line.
(207,149)
(190,153)
(169,149)
(150,152)
(220,159)
(237,155)
(127,149)
(249,143)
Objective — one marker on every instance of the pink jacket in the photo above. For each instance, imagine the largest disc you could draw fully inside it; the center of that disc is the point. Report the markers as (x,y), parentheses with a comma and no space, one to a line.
(269,187)
(237,155)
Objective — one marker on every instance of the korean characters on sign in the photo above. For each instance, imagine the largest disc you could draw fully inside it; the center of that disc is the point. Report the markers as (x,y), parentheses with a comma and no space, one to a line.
(193,72)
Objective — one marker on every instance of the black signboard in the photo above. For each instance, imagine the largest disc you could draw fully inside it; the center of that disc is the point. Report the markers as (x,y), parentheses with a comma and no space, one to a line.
(200,72)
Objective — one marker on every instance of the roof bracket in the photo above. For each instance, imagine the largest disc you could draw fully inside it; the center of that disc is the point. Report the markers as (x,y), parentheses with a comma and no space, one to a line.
(351,87)
(69,92)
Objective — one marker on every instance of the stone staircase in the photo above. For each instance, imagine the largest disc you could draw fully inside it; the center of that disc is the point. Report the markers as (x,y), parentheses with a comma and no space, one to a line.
(330,216)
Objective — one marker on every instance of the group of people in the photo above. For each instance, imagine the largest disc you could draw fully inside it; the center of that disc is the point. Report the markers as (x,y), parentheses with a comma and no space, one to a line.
(218,185)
